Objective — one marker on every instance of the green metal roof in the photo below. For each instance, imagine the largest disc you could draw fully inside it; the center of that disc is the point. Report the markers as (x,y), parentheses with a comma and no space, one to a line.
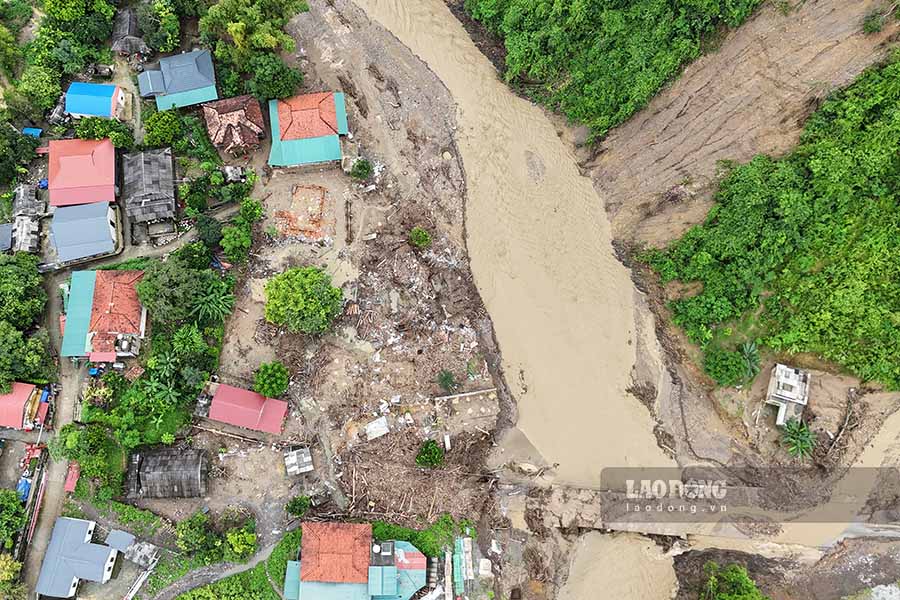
(292,581)
(310,151)
(382,581)
(188,98)
(78,313)
(340,109)
(316,590)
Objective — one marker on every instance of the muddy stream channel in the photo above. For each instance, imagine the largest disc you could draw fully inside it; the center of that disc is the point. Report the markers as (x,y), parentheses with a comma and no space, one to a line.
(539,243)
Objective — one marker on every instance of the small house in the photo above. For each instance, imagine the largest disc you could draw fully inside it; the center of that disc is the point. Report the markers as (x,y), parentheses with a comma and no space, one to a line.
(181,80)
(788,392)
(104,317)
(341,560)
(83,231)
(243,408)
(126,39)
(22,408)
(84,99)
(82,172)
(148,190)
(235,125)
(71,556)
(167,473)
(306,129)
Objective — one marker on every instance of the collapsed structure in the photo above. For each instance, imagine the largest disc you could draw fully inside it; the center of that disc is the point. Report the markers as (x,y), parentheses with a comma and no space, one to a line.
(235,125)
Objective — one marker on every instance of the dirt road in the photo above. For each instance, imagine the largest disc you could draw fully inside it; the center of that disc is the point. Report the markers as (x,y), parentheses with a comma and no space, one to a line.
(539,243)
(752,96)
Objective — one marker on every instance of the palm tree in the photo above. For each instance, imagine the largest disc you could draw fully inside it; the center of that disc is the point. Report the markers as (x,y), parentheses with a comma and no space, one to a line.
(750,354)
(215,305)
(798,439)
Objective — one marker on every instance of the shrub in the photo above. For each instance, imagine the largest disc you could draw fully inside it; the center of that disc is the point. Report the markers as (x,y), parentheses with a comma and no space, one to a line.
(240,542)
(236,242)
(420,238)
(303,300)
(194,535)
(272,379)
(447,381)
(12,517)
(95,128)
(210,231)
(724,366)
(431,541)
(873,23)
(798,439)
(731,583)
(162,129)
(298,506)
(430,455)
(362,169)
(41,86)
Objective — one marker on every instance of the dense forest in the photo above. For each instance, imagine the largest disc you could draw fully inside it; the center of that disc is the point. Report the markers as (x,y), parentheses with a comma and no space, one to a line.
(800,252)
(600,61)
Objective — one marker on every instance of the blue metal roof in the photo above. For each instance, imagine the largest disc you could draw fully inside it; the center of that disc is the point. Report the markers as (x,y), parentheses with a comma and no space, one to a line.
(79,304)
(82,230)
(94,99)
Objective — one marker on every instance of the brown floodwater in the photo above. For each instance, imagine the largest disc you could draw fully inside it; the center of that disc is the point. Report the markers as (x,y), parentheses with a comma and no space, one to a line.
(539,244)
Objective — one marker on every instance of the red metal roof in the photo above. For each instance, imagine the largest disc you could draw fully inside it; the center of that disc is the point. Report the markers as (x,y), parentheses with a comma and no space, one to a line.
(336,552)
(116,309)
(12,405)
(81,172)
(72,476)
(411,561)
(42,412)
(307,116)
(243,408)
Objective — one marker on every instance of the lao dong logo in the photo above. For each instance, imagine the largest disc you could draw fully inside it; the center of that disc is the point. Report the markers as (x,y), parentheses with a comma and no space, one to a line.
(662,489)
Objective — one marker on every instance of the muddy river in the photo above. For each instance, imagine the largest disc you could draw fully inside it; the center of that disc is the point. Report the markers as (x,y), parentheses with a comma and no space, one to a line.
(539,243)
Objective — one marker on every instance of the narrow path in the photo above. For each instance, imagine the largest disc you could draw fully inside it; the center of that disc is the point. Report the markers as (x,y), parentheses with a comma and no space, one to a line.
(213,573)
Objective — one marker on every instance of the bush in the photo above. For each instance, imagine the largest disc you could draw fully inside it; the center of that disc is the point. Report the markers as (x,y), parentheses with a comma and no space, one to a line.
(41,86)
(430,455)
(731,583)
(447,381)
(362,169)
(272,78)
(240,542)
(798,439)
(420,238)
(210,231)
(272,379)
(236,242)
(162,129)
(298,506)
(431,541)
(22,295)
(12,517)
(873,23)
(727,368)
(303,300)
(16,151)
(96,128)
(194,535)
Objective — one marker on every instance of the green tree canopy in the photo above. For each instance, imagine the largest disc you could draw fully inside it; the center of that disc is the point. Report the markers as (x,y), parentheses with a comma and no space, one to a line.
(272,77)
(23,358)
(303,300)
(238,29)
(12,517)
(162,129)
(22,296)
(272,379)
(41,86)
(16,150)
(729,583)
(171,290)
(96,128)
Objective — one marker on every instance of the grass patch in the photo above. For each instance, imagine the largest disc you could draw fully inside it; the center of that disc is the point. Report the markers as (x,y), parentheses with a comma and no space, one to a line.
(431,541)
(170,569)
(140,522)
(248,585)
(286,550)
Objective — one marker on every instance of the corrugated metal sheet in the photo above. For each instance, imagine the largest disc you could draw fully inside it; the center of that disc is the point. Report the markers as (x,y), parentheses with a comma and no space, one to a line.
(188,98)
(340,108)
(167,473)
(148,190)
(78,313)
(292,581)
(12,405)
(243,408)
(188,71)
(94,99)
(69,556)
(81,231)
(151,83)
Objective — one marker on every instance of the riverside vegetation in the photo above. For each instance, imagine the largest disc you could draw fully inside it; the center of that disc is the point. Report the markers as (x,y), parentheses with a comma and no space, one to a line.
(600,61)
(801,252)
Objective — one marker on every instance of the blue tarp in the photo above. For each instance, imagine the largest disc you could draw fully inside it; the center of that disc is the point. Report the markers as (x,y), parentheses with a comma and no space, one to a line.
(23,489)
(93,99)
(34,132)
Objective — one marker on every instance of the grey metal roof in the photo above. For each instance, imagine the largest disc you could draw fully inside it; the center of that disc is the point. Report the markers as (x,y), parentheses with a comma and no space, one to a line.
(131,44)
(81,231)
(148,191)
(26,202)
(167,473)
(70,556)
(151,83)
(26,235)
(5,236)
(120,540)
(188,71)
(126,24)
